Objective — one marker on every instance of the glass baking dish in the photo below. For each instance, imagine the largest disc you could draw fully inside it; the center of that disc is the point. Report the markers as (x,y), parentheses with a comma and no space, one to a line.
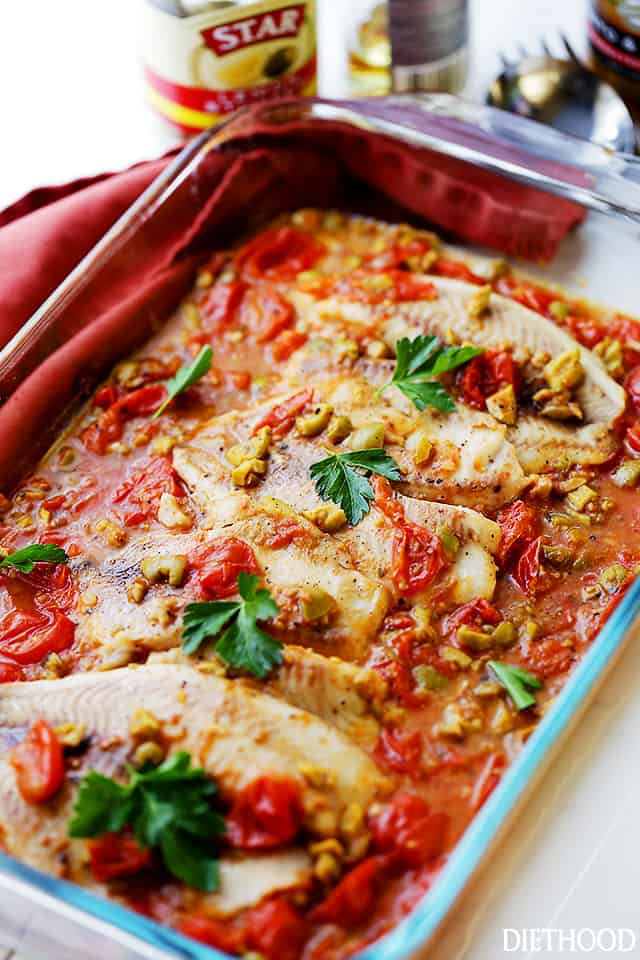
(46,917)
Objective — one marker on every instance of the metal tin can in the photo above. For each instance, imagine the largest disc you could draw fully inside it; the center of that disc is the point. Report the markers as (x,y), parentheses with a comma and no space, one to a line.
(203,60)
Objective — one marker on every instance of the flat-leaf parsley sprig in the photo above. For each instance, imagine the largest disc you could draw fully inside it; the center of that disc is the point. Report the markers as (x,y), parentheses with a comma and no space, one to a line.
(343,478)
(421,359)
(186,377)
(243,645)
(168,807)
(25,560)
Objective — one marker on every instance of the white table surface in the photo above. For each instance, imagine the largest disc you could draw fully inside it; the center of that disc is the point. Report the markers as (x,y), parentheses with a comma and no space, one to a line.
(72,105)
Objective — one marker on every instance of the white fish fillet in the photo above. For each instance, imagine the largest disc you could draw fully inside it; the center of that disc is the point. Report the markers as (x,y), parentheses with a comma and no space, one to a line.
(542,444)
(236,732)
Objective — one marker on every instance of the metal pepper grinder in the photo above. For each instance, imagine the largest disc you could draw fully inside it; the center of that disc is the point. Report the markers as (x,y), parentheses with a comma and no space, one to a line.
(428,44)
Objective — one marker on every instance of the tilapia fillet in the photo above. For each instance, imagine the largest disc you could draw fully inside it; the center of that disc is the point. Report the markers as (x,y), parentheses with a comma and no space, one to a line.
(236,732)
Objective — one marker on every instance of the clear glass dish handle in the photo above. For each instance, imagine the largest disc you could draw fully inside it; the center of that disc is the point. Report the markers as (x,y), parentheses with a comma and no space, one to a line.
(529,152)
(593,176)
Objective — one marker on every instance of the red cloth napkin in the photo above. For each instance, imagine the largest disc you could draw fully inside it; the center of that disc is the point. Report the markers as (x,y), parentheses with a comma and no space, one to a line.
(46,234)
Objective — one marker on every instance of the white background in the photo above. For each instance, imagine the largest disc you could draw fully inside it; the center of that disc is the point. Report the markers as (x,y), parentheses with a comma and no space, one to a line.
(72,104)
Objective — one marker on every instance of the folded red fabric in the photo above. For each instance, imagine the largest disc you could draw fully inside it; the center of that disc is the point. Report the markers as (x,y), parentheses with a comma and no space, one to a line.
(231,191)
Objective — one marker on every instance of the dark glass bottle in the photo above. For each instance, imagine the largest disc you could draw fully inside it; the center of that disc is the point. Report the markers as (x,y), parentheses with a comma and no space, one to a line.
(614,36)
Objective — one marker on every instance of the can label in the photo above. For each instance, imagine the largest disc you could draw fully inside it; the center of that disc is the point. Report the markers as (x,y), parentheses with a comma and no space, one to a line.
(616,37)
(202,67)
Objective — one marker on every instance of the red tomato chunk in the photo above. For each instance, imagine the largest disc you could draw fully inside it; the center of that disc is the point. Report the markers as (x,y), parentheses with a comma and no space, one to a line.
(217,565)
(408,829)
(39,764)
(144,488)
(115,855)
(276,930)
(350,903)
(282,417)
(266,813)
(280,253)
(109,426)
(215,933)
(266,313)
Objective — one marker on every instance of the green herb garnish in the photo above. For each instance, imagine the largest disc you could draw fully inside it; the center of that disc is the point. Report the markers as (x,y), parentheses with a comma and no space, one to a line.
(343,479)
(243,644)
(421,358)
(168,807)
(186,377)
(24,560)
(517,682)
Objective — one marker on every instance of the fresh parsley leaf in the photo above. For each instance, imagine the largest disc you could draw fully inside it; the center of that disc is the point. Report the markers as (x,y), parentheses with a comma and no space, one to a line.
(243,644)
(25,559)
(517,682)
(186,377)
(102,806)
(168,807)
(204,620)
(182,856)
(423,358)
(343,479)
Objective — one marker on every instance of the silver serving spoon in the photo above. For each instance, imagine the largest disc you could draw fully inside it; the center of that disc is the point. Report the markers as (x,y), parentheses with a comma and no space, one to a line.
(566,95)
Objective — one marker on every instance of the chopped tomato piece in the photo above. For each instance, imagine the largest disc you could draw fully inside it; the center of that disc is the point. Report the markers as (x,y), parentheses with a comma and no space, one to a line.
(276,930)
(485,374)
(39,764)
(400,254)
(266,313)
(518,527)
(266,813)
(282,417)
(106,396)
(409,286)
(417,558)
(144,488)
(32,613)
(586,330)
(409,829)
(53,586)
(109,426)
(548,657)
(400,752)
(220,934)
(281,252)
(528,294)
(528,566)
(351,901)
(218,564)
(287,343)
(417,554)
(29,636)
(474,612)
(142,402)
(632,386)
(107,429)
(220,306)
(386,501)
(115,855)
(10,672)
(632,439)
(285,533)
(392,286)
(456,270)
